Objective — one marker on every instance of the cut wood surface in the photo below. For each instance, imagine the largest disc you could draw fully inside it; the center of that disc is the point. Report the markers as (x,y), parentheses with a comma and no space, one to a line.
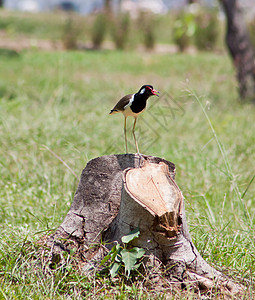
(153,188)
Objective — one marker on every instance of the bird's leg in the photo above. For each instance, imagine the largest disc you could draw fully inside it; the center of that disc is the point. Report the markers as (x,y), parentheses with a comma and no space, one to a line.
(135,137)
(125,133)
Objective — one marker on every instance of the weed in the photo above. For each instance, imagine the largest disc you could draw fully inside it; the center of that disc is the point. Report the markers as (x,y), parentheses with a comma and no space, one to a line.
(120,30)
(146,23)
(99,30)
(183,30)
(71,33)
(207,29)
(124,256)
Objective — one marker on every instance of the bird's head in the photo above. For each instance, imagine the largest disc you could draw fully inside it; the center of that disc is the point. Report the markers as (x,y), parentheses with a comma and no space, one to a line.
(148,90)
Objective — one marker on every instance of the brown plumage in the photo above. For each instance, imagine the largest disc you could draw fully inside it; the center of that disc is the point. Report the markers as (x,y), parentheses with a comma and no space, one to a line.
(119,107)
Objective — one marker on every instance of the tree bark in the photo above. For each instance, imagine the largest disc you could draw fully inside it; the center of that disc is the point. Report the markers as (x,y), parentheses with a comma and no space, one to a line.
(240,48)
(192,1)
(108,6)
(118,193)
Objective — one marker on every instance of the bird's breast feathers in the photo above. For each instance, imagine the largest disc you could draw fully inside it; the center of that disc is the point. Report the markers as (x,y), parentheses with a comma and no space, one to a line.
(128,112)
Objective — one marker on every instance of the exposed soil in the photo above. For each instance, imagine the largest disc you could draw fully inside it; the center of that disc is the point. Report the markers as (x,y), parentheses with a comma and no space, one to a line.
(18,43)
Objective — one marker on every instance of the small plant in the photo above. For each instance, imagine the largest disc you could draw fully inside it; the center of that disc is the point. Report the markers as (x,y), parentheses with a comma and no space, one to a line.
(146,24)
(120,30)
(149,36)
(207,29)
(183,31)
(99,30)
(71,33)
(123,256)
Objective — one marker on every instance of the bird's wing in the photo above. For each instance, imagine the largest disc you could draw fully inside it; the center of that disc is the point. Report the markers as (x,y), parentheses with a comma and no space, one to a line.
(122,104)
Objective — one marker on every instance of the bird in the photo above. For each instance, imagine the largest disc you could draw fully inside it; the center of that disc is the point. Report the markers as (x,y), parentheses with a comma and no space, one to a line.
(133,105)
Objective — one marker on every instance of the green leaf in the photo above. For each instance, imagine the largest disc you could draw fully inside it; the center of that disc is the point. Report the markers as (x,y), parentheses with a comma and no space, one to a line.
(137,266)
(118,257)
(104,260)
(130,257)
(72,251)
(140,252)
(115,253)
(131,236)
(114,269)
(109,255)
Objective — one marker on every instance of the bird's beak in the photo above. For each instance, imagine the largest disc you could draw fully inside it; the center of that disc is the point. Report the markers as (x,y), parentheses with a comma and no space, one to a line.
(156,93)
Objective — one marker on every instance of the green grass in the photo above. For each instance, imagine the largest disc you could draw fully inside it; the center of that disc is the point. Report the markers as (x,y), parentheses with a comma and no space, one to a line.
(54,119)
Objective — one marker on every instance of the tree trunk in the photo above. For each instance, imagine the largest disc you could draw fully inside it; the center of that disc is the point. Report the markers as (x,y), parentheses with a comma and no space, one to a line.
(108,6)
(240,48)
(118,193)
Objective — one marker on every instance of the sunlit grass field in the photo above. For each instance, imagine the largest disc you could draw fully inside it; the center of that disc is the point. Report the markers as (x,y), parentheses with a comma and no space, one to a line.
(54,118)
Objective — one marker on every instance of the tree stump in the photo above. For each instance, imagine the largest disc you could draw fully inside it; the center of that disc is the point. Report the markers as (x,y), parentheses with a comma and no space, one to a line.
(118,193)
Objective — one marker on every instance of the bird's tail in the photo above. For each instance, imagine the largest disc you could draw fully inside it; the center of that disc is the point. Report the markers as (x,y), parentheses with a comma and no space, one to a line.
(113,111)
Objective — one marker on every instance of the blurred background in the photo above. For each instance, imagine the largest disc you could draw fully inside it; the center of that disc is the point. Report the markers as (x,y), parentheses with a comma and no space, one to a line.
(159,25)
